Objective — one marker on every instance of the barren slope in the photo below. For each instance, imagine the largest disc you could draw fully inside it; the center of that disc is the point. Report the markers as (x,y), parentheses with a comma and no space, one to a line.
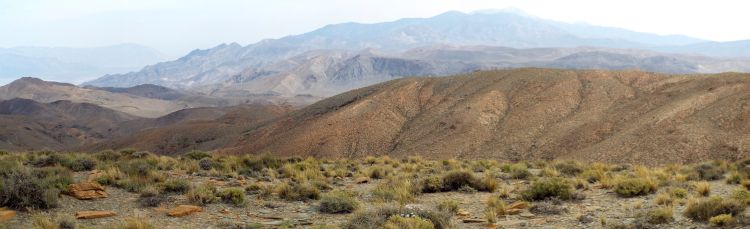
(615,116)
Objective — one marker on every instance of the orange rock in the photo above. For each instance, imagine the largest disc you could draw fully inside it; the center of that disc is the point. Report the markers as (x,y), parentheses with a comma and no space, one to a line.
(184,210)
(519,205)
(6,215)
(462,213)
(87,190)
(94,214)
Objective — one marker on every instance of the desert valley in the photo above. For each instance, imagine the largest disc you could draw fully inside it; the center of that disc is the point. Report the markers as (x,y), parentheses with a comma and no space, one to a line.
(485,119)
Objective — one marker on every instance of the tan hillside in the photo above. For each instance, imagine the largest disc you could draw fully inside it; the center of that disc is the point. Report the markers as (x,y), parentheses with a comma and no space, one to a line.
(612,116)
(47,92)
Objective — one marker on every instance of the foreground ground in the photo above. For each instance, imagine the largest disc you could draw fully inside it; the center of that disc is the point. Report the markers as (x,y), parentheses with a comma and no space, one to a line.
(265,192)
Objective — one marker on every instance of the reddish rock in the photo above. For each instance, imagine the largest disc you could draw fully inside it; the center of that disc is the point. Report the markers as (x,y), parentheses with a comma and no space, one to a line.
(94,214)
(519,205)
(184,210)
(87,191)
(6,215)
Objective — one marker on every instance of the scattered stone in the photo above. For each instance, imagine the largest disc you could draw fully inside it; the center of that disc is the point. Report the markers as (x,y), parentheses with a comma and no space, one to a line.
(526,215)
(474,221)
(87,190)
(462,213)
(184,210)
(6,215)
(519,205)
(94,214)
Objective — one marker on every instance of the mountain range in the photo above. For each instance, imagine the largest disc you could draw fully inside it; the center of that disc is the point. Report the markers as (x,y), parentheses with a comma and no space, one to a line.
(340,57)
(74,65)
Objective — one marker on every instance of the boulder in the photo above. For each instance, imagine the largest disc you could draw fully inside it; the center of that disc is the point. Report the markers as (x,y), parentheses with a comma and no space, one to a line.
(184,210)
(94,214)
(462,213)
(87,190)
(6,215)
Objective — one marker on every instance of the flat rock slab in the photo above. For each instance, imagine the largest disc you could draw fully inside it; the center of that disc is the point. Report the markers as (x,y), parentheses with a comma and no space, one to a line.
(87,191)
(94,214)
(184,210)
(6,215)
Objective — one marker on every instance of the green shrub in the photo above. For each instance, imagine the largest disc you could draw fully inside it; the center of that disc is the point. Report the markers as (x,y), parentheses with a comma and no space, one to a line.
(234,196)
(660,215)
(176,186)
(337,202)
(432,184)
(547,188)
(258,164)
(202,195)
(569,168)
(519,171)
(50,160)
(197,155)
(26,188)
(630,187)
(454,180)
(108,155)
(722,220)
(82,164)
(704,209)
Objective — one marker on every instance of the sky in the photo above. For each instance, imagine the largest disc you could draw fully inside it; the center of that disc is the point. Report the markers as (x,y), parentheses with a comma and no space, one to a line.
(177,26)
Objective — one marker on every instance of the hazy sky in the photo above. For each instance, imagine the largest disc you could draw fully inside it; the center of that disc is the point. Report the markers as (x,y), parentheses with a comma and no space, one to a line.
(177,26)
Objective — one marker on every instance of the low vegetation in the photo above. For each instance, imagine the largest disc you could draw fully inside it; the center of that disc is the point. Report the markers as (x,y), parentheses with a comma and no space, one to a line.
(382,192)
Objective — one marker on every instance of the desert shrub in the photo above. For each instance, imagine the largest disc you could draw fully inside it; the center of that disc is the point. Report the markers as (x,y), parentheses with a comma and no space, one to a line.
(660,215)
(734,178)
(108,155)
(140,154)
(197,155)
(432,184)
(258,164)
(722,220)
(150,197)
(138,167)
(518,171)
(376,218)
(66,223)
(399,222)
(663,198)
(703,210)
(206,163)
(679,193)
(496,206)
(592,175)
(448,206)
(454,180)
(703,188)
(133,185)
(741,195)
(8,166)
(297,191)
(82,164)
(50,160)
(548,188)
(709,171)
(400,190)
(378,172)
(38,188)
(630,187)
(569,168)
(176,186)
(234,196)
(337,202)
(202,195)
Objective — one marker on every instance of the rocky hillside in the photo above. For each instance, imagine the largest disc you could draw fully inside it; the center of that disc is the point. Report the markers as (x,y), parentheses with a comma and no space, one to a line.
(615,116)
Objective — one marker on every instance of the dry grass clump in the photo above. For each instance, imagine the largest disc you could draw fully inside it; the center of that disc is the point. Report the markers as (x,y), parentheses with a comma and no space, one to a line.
(133,223)
(376,219)
(235,196)
(702,188)
(569,168)
(459,180)
(660,215)
(202,195)
(704,209)
(297,191)
(448,206)
(400,222)
(630,187)
(722,220)
(176,186)
(338,202)
(401,190)
(547,188)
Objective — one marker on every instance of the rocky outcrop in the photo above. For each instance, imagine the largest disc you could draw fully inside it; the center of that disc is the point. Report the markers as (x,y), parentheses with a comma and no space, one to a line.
(6,215)
(87,190)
